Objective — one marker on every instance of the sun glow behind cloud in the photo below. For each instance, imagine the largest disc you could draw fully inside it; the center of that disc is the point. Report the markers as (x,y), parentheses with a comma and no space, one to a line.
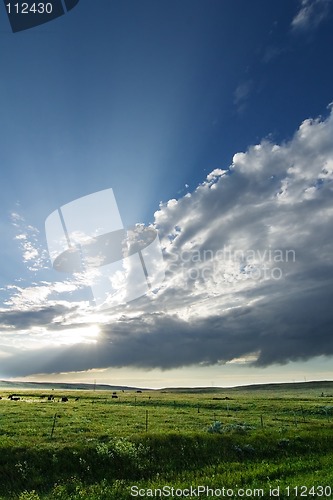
(84,334)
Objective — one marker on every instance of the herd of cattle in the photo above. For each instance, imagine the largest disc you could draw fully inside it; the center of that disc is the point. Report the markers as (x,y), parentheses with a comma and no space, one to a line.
(62,399)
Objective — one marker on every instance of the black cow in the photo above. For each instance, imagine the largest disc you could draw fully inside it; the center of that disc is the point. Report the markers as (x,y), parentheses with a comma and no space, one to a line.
(64,399)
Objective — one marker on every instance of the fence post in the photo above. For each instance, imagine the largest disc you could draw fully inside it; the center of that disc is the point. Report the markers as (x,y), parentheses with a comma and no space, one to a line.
(146,420)
(53,426)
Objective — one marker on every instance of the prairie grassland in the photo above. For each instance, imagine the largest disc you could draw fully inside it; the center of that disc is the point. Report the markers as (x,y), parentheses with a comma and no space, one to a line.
(99,447)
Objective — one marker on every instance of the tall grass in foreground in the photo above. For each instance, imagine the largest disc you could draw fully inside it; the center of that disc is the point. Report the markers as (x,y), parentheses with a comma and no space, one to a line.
(99,449)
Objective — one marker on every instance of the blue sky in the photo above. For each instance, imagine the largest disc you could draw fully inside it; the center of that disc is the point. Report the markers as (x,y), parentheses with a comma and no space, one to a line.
(156,100)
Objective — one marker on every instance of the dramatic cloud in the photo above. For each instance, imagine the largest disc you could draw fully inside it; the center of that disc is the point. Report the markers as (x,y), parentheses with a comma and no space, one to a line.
(25,319)
(249,274)
(311,14)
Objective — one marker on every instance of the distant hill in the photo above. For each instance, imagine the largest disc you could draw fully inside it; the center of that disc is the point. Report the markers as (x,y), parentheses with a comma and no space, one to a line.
(318,384)
(5,384)
(321,385)
(315,384)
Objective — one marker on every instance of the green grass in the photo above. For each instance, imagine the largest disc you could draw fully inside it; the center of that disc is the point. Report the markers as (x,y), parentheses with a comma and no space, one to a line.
(100,447)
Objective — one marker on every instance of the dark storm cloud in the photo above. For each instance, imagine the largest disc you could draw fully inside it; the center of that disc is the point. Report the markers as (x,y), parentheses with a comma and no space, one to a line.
(285,328)
(22,320)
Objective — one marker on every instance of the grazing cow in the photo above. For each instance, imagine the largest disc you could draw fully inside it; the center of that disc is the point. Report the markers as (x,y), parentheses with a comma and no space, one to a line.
(76,399)
(0,397)
(139,391)
(114,393)
(114,396)
(50,398)
(64,399)
(15,399)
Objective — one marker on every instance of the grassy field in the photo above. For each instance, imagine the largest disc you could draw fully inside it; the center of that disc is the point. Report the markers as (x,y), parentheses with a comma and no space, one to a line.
(236,443)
